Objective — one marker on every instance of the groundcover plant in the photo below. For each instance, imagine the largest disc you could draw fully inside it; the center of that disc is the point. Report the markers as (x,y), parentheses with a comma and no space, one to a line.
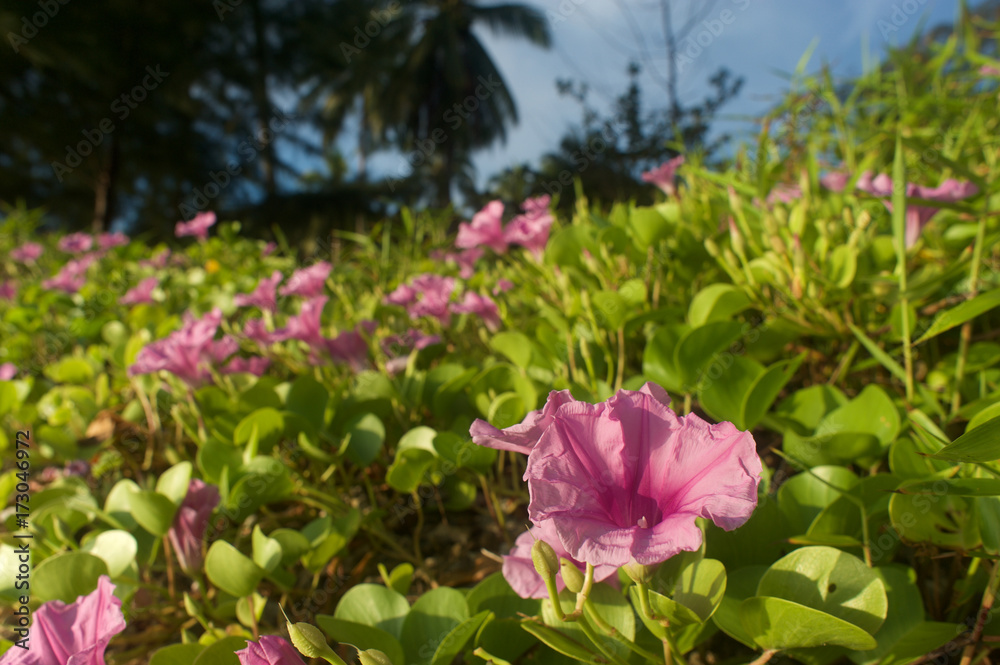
(756,421)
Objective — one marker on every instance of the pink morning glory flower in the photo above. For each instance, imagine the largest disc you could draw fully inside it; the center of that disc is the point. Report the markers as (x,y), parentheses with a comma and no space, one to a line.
(110,240)
(304,326)
(519,570)
(349,347)
(435,291)
(624,480)
(481,306)
(466,260)
(188,530)
(531,230)
(73,634)
(269,650)
(917,216)
(402,296)
(308,282)
(75,243)
(256,330)
(158,261)
(264,295)
(198,226)
(255,365)
(140,293)
(503,285)
(835,181)
(29,251)
(188,353)
(485,229)
(522,438)
(8,290)
(72,276)
(663,175)
(7,371)
(784,193)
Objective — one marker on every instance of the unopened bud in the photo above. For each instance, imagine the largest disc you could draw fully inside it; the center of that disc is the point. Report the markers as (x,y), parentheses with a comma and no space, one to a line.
(373,657)
(639,573)
(571,575)
(311,643)
(545,559)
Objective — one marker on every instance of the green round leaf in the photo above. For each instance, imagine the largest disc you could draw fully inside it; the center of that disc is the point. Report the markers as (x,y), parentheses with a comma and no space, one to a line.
(230,570)
(66,576)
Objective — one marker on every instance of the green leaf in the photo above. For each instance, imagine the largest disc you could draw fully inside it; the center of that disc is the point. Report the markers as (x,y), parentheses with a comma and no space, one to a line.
(266,551)
(173,483)
(434,615)
(831,581)
(269,424)
(376,606)
(612,310)
(340,533)
(176,654)
(954,486)
(881,356)
(776,623)
(361,636)
(71,370)
(959,314)
(700,345)
(232,571)
(725,395)
(658,362)
(943,520)
(116,548)
(804,496)
(153,511)
(365,438)
(981,444)
(408,469)
(455,641)
(222,652)
(66,576)
(506,409)
(558,641)
(308,398)
(516,346)
(649,224)
(765,389)
(717,302)
(740,585)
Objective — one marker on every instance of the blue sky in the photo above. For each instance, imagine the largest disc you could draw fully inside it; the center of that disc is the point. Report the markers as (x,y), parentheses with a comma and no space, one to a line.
(763,40)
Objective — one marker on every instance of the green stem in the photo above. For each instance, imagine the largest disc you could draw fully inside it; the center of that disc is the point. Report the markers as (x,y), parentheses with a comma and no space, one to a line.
(966,333)
(591,634)
(590,611)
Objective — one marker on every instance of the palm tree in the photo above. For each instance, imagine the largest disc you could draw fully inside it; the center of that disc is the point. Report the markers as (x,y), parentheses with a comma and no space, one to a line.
(431,89)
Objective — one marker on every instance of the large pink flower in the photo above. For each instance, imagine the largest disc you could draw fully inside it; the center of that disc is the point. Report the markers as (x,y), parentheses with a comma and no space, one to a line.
(663,175)
(531,230)
(519,570)
(308,282)
(75,243)
(521,438)
(110,240)
(306,326)
(28,252)
(74,634)
(190,352)
(197,227)
(917,216)
(269,650)
(485,229)
(140,293)
(403,295)
(624,480)
(435,292)
(264,295)
(72,276)
(188,530)
(481,306)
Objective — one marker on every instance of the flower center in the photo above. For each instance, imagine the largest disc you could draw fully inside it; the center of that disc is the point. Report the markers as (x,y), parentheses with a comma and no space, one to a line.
(643,524)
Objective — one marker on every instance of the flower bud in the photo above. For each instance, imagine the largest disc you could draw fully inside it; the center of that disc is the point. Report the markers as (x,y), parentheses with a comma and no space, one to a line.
(639,573)
(373,657)
(311,643)
(571,575)
(545,559)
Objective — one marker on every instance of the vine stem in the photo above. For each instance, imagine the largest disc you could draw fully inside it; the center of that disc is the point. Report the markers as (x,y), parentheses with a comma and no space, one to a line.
(985,609)
(965,336)
(764,657)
